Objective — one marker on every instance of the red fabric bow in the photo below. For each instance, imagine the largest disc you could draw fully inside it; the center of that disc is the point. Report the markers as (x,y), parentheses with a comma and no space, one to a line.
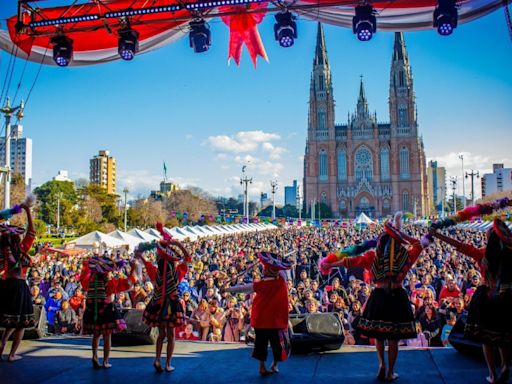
(243,29)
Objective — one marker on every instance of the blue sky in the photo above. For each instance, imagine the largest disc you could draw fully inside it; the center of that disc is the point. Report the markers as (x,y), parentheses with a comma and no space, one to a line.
(205,118)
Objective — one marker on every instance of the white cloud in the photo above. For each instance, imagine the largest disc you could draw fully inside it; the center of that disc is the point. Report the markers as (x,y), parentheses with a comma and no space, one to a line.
(243,141)
(140,182)
(274,152)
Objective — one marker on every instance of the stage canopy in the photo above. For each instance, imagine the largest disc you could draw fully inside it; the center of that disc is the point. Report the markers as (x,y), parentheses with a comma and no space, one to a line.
(95,27)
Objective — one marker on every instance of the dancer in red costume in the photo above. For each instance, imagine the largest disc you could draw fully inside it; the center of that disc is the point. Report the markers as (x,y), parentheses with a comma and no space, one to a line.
(269,314)
(490,312)
(387,315)
(16,311)
(165,310)
(100,317)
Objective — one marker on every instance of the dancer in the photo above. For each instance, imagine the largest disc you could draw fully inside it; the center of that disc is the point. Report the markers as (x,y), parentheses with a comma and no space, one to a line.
(490,311)
(100,317)
(387,315)
(269,314)
(165,310)
(16,311)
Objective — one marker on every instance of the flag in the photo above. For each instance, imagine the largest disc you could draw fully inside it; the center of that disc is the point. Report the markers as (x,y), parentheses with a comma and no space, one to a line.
(165,171)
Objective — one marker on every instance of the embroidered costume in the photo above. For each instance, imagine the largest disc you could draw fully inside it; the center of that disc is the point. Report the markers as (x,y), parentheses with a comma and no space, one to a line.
(100,315)
(269,313)
(165,308)
(387,313)
(490,312)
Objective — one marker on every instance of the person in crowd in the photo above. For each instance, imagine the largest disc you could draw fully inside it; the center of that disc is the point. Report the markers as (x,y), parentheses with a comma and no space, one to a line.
(165,310)
(431,325)
(490,313)
(269,316)
(201,317)
(447,329)
(52,306)
(37,298)
(233,320)
(387,315)
(65,319)
(138,295)
(100,318)
(76,300)
(188,334)
(123,302)
(16,310)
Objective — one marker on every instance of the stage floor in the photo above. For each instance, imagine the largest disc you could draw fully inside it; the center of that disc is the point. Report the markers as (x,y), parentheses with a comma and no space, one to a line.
(67,360)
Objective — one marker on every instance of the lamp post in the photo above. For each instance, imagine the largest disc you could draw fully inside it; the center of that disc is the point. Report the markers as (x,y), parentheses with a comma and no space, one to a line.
(472,174)
(453,182)
(461,157)
(273,185)
(59,198)
(298,204)
(125,191)
(8,111)
(245,181)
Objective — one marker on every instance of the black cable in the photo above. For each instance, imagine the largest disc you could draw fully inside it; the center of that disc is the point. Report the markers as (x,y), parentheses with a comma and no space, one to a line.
(37,76)
(20,81)
(10,76)
(7,72)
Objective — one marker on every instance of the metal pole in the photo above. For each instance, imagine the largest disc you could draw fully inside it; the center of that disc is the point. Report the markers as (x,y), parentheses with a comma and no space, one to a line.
(461,157)
(125,190)
(453,181)
(273,184)
(59,196)
(472,174)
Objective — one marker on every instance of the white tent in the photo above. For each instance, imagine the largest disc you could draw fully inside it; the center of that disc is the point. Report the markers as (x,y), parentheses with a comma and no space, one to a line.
(132,241)
(88,241)
(153,232)
(142,235)
(174,232)
(363,219)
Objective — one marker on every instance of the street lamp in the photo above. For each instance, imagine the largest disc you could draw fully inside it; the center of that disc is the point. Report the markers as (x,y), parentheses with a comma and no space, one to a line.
(59,198)
(461,157)
(472,174)
(273,184)
(125,191)
(453,182)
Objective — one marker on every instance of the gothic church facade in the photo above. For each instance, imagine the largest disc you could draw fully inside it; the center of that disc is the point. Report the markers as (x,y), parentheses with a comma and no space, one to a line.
(363,165)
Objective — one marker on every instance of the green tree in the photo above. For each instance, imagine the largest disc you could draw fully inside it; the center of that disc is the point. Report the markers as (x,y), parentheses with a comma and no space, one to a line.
(48,196)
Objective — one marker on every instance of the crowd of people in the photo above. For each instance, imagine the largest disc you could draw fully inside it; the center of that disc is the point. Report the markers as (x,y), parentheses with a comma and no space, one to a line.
(439,285)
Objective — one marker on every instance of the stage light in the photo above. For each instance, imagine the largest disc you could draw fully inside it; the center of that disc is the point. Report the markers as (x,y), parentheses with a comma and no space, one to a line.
(62,50)
(285,29)
(128,43)
(446,17)
(200,36)
(364,23)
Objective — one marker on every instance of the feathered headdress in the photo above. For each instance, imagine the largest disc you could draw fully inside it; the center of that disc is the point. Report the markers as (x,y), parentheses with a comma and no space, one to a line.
(353,250)
(473,211)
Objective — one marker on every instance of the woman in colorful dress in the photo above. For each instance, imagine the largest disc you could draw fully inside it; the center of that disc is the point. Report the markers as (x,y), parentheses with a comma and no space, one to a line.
(165,310)
(100,317)
(16,310)
(490,312)
(387,315)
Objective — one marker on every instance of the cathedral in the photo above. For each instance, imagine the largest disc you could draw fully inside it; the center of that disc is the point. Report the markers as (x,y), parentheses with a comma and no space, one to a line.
(363,165)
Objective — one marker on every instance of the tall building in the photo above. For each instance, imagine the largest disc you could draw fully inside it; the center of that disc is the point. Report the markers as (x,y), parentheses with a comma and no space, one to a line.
(498,181)
(103,171)
(21,154)
(364,165)
(290,194)
(264,200)
(436,177)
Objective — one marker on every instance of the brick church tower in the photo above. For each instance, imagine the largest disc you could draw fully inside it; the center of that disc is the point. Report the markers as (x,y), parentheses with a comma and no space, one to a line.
(364,165)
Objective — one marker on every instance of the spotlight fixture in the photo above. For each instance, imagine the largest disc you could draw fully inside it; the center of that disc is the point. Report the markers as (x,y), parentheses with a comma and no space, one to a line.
(62,50)
(446,17)
(200,36)
(364,23)
(285,29)
(128,43)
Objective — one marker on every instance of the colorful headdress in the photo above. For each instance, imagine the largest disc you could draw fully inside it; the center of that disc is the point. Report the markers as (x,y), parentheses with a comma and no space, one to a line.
(273,261)
(101,264)
(353,250)
(473,211)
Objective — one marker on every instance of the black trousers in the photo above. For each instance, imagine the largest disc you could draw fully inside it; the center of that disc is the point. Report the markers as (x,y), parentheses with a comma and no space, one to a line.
(263,337)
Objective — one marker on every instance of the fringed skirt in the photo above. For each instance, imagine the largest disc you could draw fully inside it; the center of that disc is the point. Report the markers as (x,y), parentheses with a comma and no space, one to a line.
(490,319)
(101,317)
(16,310)
(388,315)
(168,314)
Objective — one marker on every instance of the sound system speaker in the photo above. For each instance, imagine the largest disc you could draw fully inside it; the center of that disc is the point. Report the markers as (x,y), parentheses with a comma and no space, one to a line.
(316,332)
(461,343)
(137,332)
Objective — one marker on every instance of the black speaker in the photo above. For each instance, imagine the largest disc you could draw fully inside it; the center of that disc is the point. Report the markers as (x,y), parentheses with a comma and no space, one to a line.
(316,332)
(461,343)
(137,332)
